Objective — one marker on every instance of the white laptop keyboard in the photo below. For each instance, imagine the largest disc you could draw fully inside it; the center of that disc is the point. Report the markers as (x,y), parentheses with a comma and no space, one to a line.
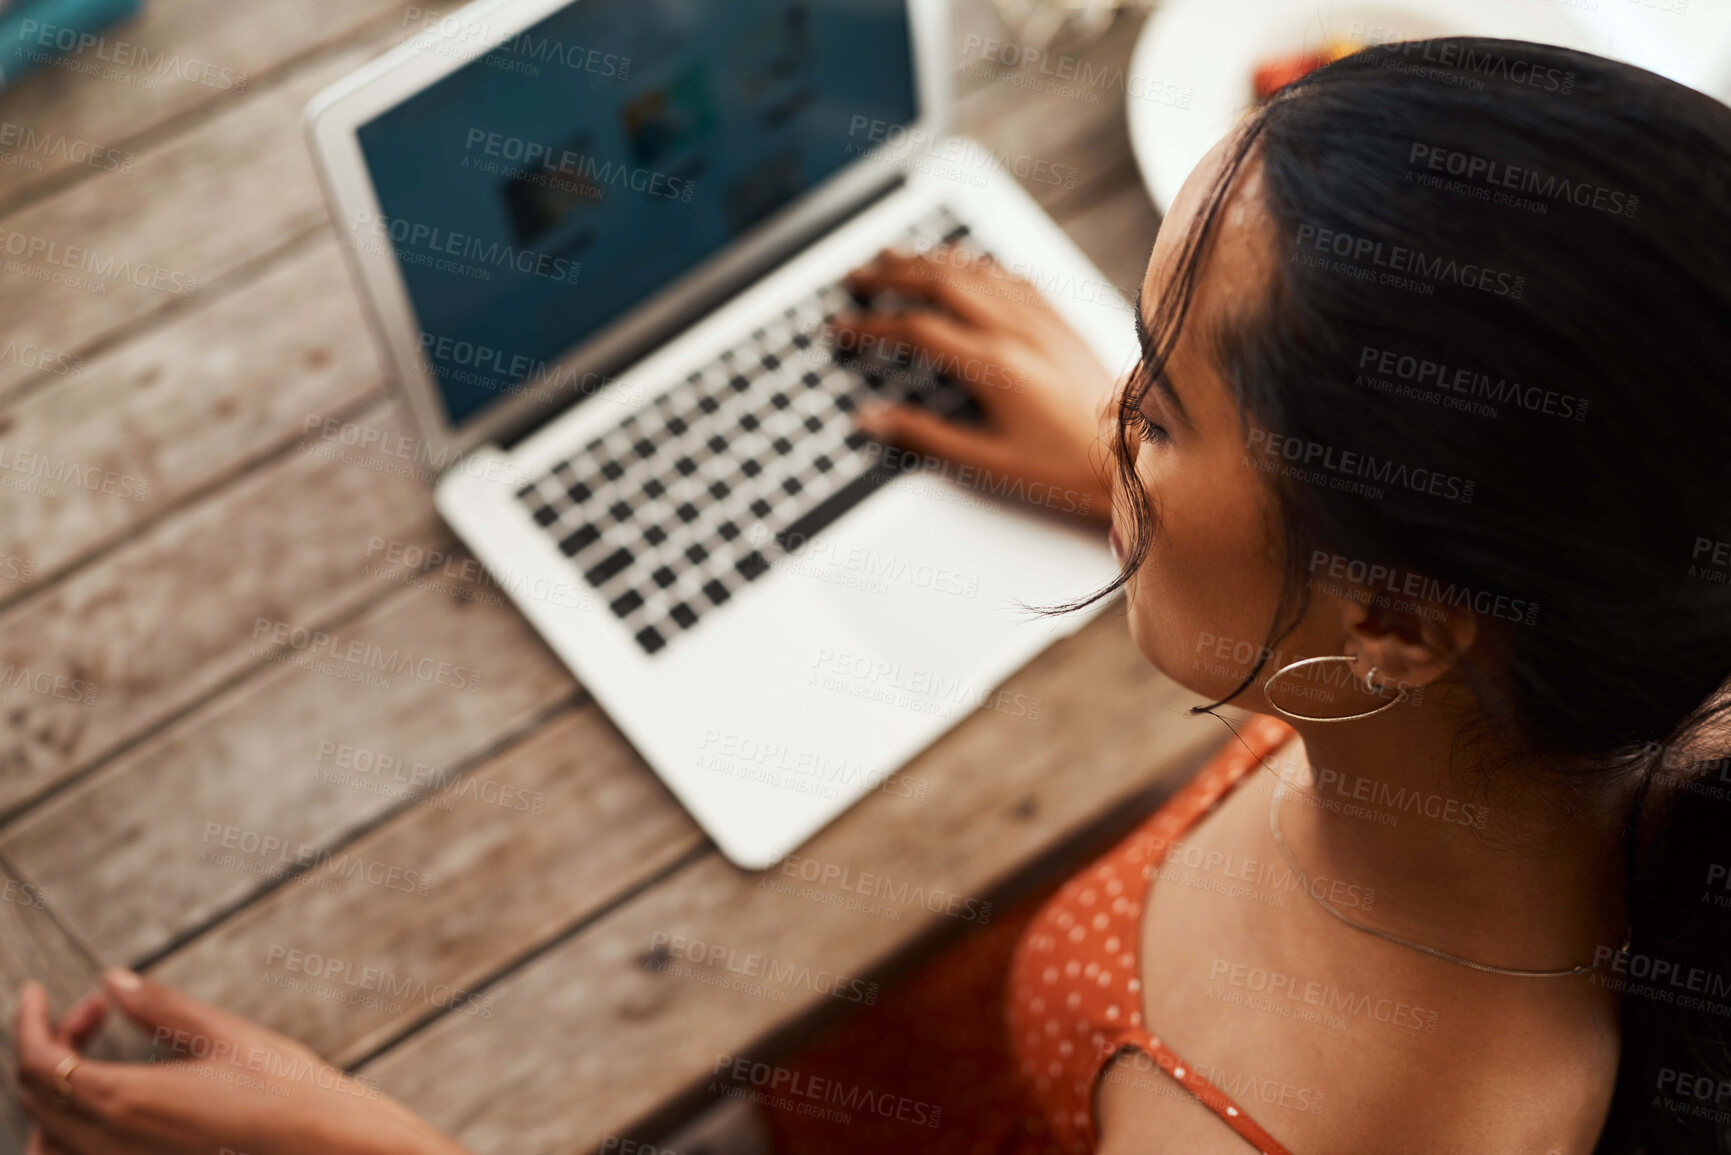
(685,503)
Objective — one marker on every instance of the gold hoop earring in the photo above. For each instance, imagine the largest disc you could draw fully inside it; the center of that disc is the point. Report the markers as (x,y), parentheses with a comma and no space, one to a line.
(1369,684)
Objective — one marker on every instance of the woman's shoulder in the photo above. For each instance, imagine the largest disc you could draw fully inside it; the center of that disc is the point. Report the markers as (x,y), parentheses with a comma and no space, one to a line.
(1499,1076)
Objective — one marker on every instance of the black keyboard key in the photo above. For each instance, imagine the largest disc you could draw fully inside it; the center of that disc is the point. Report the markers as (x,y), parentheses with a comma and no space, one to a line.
(580,492)
(645,448)
(695,554)
(740,383)
(719,489)
(771,361)
(716,592)
(708,404)
(717,444)
(792,485)
(819,517)
(752,566)
(653,488)
(654,535)
(856,439)
(812,380)
(664,577)
(546,516)
(650,639)
(822,463)
(609,567)
(749,422)
(780,401)
(727,531)
(761,507)
(687,512)
(677,426)
(626,603)
(801,341)
(612,470)
(750,468)
(686,466)
(579,541)
(684,615)
(782,446)
(814,424)
(620,510)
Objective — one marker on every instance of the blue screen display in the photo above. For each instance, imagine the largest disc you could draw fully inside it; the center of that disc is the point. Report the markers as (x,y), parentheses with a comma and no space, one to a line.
(551,185)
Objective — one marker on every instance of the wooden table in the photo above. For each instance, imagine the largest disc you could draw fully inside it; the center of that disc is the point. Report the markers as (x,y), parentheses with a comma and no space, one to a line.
(178,795)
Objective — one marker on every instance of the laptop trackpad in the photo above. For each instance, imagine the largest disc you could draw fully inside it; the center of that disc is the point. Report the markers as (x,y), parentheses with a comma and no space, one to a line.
(936,580)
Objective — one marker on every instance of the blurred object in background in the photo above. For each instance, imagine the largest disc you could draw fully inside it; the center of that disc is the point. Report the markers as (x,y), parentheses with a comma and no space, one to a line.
(1062,24)
(1200,65)
(34,32)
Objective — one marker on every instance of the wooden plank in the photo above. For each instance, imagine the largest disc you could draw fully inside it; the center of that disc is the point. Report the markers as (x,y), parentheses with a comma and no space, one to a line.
(177,59)
(161,418)
(195,809)
(33,946)
(168,618)
(175,229)
(597,826)
(71,126)
(585,1039)
(176,233)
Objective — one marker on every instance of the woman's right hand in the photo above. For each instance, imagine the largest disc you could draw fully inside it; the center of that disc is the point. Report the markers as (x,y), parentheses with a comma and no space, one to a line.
(1038,382)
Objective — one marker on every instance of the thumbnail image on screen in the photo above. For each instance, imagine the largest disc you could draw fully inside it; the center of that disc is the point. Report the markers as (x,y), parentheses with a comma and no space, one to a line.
(552,184)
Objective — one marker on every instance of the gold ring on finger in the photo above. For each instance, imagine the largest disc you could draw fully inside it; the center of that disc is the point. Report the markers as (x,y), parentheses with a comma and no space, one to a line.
(63,1078)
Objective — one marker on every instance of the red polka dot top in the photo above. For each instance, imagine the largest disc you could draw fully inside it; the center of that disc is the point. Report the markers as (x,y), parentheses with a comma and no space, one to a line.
(1075,995)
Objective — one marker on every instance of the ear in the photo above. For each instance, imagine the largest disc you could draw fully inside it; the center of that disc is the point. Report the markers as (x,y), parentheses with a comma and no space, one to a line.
(1413,645)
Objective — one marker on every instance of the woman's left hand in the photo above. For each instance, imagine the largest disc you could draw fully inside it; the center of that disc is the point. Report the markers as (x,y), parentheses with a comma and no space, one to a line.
(228,1084)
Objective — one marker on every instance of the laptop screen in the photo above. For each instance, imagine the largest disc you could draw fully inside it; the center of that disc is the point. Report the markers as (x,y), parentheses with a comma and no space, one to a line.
(554,183)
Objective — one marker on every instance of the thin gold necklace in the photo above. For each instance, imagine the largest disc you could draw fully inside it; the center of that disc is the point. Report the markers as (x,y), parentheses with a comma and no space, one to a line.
(1304,881)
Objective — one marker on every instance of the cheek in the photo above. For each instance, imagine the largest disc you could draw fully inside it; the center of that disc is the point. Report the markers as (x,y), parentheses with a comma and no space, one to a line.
(1202,602)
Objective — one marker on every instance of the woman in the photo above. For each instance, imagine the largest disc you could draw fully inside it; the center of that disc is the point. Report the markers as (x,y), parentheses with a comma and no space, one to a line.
(1428,455)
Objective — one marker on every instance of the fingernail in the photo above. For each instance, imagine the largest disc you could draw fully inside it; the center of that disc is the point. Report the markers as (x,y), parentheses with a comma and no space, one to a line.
(872,418)
(125,979)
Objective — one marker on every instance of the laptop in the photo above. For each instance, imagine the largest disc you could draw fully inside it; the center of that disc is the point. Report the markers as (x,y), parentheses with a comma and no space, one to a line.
(601,242)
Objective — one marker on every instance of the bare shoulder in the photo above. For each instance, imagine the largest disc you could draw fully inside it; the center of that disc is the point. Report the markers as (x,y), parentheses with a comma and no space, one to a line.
(1407,1058)
(1512,1084)
(1517,1069)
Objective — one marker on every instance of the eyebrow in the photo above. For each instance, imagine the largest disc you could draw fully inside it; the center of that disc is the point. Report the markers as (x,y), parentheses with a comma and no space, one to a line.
(1160,379)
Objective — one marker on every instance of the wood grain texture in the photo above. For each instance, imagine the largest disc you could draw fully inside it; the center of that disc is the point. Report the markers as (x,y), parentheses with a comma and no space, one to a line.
(168,618)
(537,839)
(585,1040)
(149,81)
(539,920)
(183,407)
(33,946)
(191,809)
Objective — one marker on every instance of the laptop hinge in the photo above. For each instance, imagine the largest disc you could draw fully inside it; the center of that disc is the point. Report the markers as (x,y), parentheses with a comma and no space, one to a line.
(713,300)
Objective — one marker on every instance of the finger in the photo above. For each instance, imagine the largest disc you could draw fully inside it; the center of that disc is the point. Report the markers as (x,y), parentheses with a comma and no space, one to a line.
(925,432)
(906,336)
(63,1129)
(173,1018)
(39,1052)
(94,1086)
(952,279)
(41,1144)
(82,1021)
